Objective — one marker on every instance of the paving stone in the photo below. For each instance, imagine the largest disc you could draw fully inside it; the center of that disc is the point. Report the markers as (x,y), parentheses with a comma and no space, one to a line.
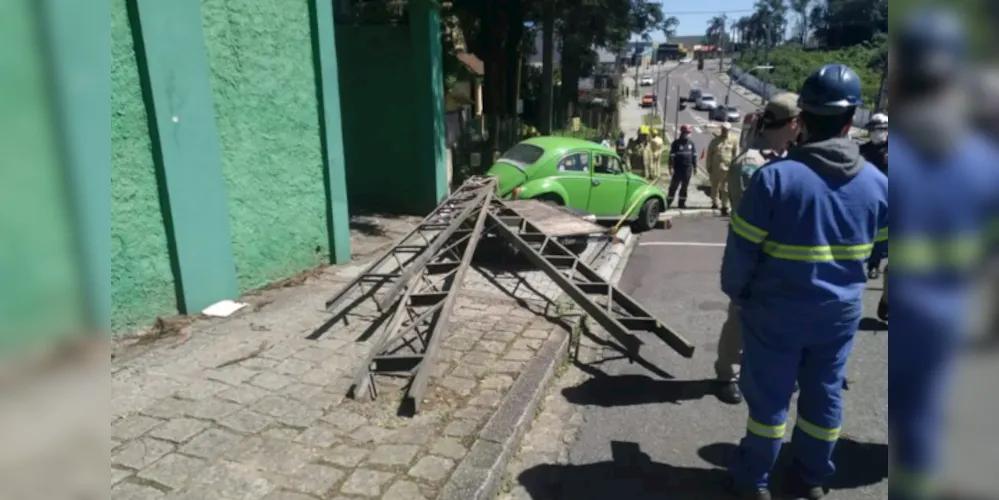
(243,394)
(345,421)
(536,334)
(316,479)
(344,456)
(519,355)
(393,455)
(370,434)
(514,367)
(288,495)
(470,371)
(179,430)
(174,470)
(528,344)
(260,364)
(212,409)
(418,434)
(128,491)
(271,381)
(403,490)
(460,386)
(314,354)
(461,428)
(487,399)
(117,475)
(230,481)
(302,392)
(492,347)
(464,343)
(498,382)
(212,443)
(281,433)
(322,436)
(320,376)
(280,352)
(294,367)
(232,375)
(478,358)
(275,406)
(432,468)
(476,413)
(449,448)
(366,483)
(272,455)
(140,453)
(132,427)
(246,421)
(197,390)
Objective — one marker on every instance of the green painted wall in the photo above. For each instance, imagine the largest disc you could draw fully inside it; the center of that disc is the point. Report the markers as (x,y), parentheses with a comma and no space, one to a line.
(41,292)
(263,78)
(378,118)
(142,284)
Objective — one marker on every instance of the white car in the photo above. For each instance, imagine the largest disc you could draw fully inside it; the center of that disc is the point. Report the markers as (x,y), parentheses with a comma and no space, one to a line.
(646,81)
(706,102)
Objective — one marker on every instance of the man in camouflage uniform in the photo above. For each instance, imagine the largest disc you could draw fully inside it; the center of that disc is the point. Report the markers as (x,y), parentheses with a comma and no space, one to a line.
(721,153)
(773,132)
(654,157)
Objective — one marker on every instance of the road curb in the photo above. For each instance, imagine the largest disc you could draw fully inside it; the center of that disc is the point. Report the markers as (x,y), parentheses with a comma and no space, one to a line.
(480,474)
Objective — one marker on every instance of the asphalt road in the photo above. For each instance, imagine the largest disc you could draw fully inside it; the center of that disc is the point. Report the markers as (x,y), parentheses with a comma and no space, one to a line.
(662,434)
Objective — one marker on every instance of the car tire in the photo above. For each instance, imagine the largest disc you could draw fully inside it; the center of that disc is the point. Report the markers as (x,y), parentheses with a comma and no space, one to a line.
(648,216)
(554,199)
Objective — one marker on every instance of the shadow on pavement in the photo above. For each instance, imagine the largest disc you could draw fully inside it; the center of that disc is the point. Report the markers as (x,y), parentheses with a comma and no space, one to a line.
(630,475)
(858,464)
(632,390)
(873,325)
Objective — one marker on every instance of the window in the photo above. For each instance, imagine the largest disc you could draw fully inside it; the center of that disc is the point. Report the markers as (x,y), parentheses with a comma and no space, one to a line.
(603,164)
(523,155)
(575,162)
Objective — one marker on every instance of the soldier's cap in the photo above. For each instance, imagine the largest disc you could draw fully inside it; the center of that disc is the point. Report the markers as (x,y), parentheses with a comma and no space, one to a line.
(780,110)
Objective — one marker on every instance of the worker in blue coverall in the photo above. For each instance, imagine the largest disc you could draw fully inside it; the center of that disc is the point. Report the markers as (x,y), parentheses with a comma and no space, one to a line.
(795,266)
(945,197)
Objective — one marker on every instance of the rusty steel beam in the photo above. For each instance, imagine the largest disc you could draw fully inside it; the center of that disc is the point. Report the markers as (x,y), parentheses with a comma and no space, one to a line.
(619,314)
(409,345)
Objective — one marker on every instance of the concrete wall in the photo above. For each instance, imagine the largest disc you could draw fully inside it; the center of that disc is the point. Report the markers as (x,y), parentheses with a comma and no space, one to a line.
(264,85)
(142,282)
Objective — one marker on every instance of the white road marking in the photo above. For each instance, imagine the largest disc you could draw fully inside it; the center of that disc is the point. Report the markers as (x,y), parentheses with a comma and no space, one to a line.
(680,244)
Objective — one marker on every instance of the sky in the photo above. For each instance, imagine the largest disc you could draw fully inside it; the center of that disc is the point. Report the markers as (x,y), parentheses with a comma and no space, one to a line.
(694,16)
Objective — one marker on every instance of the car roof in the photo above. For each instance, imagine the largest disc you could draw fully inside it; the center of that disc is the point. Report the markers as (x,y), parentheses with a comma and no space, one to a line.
(707,96)
(554,143)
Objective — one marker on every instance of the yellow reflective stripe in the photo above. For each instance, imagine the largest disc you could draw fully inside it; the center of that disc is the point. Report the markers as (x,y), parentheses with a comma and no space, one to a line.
(929,255)
(909,484)
(882,236)
(820,433)
(766,431)
(747,230)
(821,253)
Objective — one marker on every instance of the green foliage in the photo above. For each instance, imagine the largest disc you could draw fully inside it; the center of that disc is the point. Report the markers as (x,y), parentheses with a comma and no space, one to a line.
(792,65)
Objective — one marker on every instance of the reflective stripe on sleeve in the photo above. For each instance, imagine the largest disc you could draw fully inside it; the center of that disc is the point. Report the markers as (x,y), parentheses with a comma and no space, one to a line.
(822,253)
(766,431)
(882,236)
(926,255)
(820,433)
(747,230)
(910,485)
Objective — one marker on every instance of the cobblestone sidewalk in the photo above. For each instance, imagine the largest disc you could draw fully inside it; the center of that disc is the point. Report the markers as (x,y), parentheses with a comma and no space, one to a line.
(248,409)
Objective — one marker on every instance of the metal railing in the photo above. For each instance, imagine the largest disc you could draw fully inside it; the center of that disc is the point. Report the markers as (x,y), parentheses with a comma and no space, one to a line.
(767,90)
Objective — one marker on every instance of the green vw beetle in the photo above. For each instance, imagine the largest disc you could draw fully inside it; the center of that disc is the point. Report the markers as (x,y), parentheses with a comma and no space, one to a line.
(578,174)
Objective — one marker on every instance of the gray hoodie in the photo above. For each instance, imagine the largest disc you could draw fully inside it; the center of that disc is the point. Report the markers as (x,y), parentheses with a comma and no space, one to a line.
(836,159)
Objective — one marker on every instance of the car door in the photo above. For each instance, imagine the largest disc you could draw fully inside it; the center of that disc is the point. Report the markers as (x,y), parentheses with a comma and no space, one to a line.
(573,174)
(609,185)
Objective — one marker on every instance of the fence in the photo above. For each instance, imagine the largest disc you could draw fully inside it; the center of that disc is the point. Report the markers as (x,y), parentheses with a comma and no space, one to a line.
(767,90)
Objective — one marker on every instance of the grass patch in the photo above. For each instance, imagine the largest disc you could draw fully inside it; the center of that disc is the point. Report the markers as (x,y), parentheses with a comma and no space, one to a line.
(652,120)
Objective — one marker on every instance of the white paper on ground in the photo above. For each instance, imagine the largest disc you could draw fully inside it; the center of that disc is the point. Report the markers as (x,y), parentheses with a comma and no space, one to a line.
(223,309)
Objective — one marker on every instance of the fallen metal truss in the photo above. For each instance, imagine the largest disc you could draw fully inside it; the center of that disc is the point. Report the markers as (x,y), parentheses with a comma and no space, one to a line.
(415,285)
(620,315)
(408,346)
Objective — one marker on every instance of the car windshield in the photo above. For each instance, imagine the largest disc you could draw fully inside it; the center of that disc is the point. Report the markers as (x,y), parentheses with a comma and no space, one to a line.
(522,155)
(707,98)
(733,109)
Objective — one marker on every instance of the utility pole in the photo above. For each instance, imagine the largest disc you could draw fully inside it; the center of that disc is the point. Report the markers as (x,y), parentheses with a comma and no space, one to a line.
(724,41)
(677,116)
(884,91)
(548,68)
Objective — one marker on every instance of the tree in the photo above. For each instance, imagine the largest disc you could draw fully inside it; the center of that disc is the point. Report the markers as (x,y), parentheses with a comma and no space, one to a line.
(669,27)
(844,23)
(772,17)
(802,8)
(717,33)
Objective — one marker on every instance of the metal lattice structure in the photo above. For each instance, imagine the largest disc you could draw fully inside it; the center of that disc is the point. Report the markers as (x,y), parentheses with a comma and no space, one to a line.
(417,282)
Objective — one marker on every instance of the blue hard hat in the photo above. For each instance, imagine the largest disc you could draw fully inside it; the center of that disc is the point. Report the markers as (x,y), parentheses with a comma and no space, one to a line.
(930,45)
(833,89)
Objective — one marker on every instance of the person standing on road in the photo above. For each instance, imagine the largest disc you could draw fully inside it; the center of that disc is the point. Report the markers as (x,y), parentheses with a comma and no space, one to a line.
(794,266)
(776,127)
(945,195)
(876,149)
(721,153)
(682,164)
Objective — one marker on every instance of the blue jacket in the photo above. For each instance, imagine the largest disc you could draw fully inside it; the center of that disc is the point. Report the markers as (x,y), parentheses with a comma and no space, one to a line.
(807,225)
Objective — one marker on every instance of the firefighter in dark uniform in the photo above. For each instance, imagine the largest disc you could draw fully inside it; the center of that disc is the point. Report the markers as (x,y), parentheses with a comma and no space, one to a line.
(875,151)
(682,164)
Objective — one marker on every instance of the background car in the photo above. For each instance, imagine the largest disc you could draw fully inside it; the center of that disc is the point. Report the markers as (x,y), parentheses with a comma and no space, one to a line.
(725,114)
(649,101)
(706,102)
(646,81)
(695,94)
(580,175)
